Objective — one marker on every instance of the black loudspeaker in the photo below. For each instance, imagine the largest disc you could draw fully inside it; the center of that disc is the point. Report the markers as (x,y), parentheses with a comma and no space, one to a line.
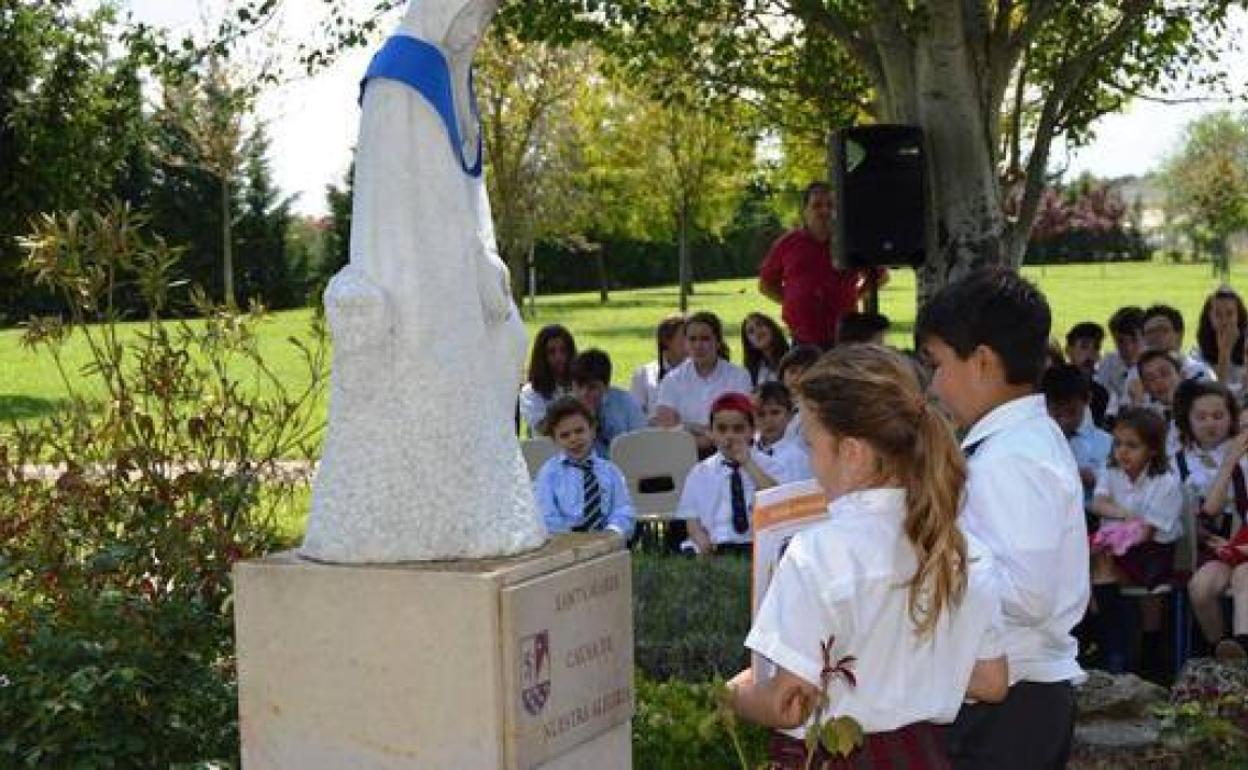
(880,174)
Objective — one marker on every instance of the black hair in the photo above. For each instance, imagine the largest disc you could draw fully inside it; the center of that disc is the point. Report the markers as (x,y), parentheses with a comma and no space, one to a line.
(1185,397)
(562,408)
(1085,330)
(1207,336)
(755,358)
(1149,356)
(541,377)
(860,327)
(1167,312)
(711,320)
(1151,428)
(996,308)
(592,365)
(804,356)
(1126,320)
(811,189)
(667,328)
(773,393)
(1065,382)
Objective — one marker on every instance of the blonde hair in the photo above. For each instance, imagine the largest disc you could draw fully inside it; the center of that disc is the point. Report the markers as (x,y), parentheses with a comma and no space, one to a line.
(871,393)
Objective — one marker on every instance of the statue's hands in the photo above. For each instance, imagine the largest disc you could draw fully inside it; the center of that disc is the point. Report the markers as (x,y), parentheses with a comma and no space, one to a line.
(494,288)
(361,324)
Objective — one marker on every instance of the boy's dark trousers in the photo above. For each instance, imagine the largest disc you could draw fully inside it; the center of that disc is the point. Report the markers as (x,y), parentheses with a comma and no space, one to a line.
(1030,730)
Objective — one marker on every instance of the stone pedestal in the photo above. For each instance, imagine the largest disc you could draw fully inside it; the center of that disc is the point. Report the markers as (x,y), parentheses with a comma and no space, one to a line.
(511,664)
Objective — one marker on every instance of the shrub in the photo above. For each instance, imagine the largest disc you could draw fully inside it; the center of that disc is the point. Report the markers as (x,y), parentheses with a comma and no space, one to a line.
(115,614)
(690,616)
(678,726)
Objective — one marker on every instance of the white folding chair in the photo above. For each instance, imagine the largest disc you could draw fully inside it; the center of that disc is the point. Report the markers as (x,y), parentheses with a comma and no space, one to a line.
(537,451)
(655,462)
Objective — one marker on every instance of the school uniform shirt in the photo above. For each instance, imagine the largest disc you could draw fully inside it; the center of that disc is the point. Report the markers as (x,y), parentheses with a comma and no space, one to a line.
(1091,447)
(1024,501)
(792,456)
(533,405)
(765,374)
(1156,499)
(618,414)
(846,578)
(560,492)
(1202,469)
(707,495)
(1112,373)
(691,394)
(644,387)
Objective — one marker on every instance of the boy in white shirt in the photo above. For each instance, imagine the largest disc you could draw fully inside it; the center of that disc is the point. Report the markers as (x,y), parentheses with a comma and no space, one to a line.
(718,497)
(773,405)
(986,339)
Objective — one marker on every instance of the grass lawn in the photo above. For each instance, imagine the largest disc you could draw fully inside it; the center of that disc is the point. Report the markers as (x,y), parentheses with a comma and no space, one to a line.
(30,386)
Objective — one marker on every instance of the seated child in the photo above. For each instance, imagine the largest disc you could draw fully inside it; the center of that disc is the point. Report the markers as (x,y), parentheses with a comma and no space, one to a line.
(718,497)
(1066,395)
(856,328)
(1163,332)
(1140,504)
(1160,375)
(614,410)
(577,490)
(1083,350)
(792,367)
(1211,469)
(1126,327)
(773,405)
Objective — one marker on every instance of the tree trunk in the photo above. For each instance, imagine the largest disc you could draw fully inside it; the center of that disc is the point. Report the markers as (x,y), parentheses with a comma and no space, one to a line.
(531,263)
(600,260)
(517,259)
(683,227)
(931,81)
(227,247)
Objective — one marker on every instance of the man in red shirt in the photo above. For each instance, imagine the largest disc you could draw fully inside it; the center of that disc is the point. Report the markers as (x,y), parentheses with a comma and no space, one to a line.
(799,273)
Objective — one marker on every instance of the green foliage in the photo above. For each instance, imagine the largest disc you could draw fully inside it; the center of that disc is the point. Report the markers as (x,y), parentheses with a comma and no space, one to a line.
(683,726)
(120,521)
(1206,183)
(72,132)
(690,616)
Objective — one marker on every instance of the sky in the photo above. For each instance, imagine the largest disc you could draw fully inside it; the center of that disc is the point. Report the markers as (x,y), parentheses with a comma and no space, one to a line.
(312,121)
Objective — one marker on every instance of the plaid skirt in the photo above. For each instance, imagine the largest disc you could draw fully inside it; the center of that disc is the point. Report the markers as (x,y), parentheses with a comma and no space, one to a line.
(920,746)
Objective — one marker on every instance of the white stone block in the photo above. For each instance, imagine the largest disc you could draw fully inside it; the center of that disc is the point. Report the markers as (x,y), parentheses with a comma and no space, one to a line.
(511,664)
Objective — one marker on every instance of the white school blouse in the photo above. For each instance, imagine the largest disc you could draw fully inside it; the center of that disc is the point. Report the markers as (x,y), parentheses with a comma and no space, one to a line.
(1156,499)
(691,394)
(1202,469)
(645,387)
(846,578)
(1024,501)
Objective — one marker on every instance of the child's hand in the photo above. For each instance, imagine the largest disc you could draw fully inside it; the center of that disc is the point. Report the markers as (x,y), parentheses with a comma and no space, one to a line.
(1216,541)
(1239,446)
(737,450)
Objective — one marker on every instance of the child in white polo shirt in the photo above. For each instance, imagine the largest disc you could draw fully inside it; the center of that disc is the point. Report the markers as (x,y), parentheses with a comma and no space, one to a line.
(986,338)
(718,497)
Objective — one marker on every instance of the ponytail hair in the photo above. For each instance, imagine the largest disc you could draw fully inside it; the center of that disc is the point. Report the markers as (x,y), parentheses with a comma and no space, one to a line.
(871,393)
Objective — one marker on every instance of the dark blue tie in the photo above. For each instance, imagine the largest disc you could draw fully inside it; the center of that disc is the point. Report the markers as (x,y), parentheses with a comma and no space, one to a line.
(591,510)
(740,515)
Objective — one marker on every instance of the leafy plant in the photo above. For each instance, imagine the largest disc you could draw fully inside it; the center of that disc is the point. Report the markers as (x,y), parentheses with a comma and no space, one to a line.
(122,515)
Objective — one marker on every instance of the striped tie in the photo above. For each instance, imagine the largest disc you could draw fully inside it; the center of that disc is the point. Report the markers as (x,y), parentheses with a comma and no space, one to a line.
(591,511)
(740,512)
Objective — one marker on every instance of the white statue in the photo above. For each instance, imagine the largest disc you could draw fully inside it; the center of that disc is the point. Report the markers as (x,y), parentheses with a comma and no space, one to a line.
(421,460)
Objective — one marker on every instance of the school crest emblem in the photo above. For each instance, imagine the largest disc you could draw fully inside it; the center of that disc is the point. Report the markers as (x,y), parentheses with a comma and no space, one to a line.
(535,672)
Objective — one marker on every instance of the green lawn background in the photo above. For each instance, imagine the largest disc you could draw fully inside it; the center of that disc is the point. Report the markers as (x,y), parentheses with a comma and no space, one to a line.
(30,386)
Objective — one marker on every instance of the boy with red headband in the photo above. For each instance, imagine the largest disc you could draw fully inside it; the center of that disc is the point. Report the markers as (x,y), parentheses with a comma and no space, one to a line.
(718,497)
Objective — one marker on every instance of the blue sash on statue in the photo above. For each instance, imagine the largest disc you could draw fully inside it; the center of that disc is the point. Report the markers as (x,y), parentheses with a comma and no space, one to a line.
(422,66)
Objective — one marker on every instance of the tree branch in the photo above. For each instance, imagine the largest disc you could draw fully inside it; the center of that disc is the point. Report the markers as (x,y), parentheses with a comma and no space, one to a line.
(1071,75)
(816,13)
